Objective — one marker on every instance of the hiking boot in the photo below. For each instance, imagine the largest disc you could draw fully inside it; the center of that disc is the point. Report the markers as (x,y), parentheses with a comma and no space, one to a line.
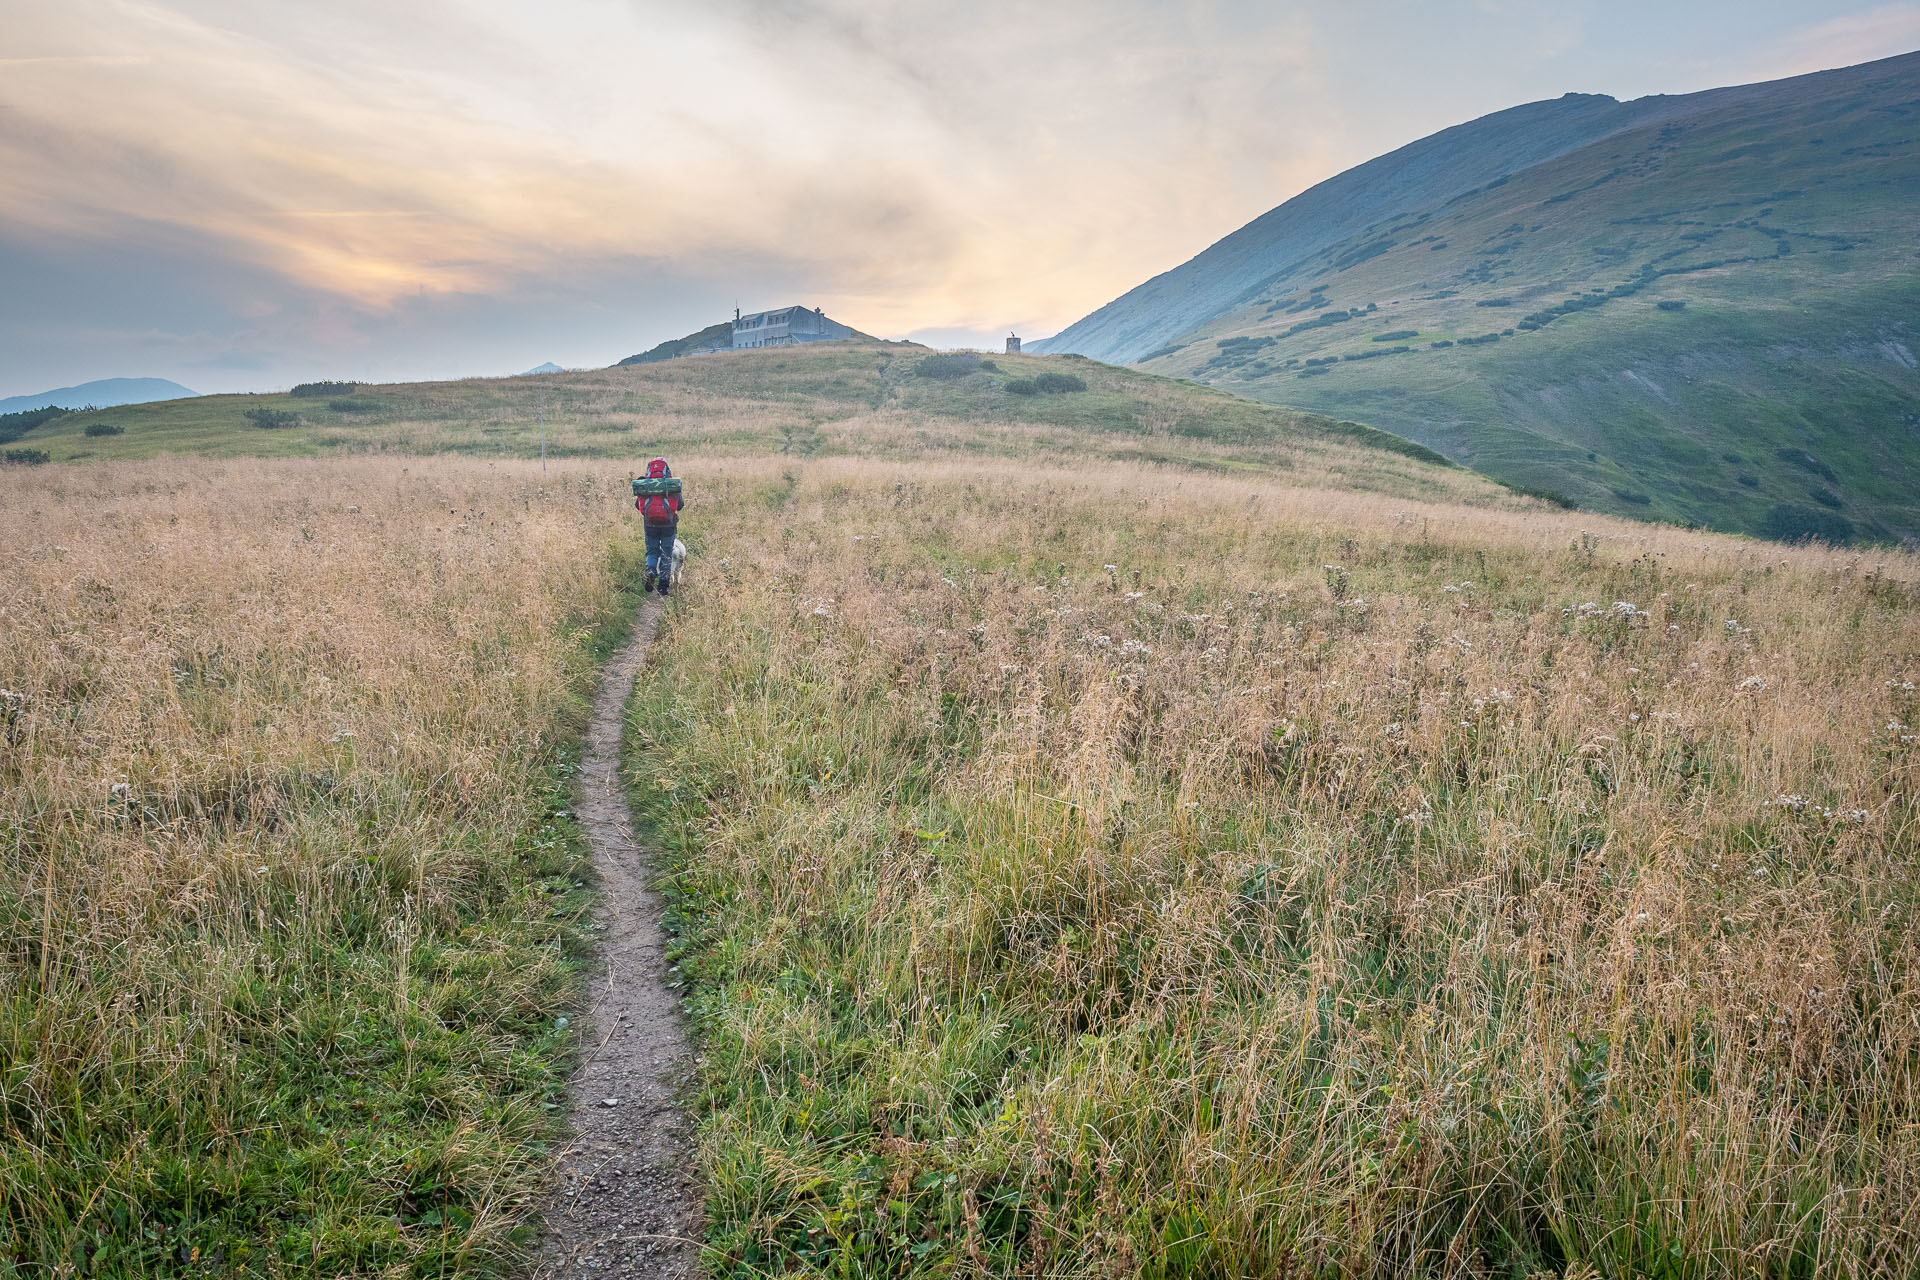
(664,584)
(649,589)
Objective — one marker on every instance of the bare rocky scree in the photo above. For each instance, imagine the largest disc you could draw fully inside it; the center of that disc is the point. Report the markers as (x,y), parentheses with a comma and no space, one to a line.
(624,1200)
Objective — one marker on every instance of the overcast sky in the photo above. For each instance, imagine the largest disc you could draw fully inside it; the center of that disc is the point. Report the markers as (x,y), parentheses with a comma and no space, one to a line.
(240,195)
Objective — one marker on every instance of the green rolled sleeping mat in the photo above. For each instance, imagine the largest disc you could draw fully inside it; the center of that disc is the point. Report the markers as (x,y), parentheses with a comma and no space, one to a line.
(656,486)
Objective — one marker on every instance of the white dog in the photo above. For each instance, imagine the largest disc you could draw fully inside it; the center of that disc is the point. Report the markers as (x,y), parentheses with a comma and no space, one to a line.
(679,558)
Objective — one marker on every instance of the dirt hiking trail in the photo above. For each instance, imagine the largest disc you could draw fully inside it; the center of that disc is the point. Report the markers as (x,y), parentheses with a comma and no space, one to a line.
(624,1201)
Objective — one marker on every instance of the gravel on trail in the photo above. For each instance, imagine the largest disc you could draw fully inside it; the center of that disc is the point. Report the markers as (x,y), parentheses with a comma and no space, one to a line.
(624,1201)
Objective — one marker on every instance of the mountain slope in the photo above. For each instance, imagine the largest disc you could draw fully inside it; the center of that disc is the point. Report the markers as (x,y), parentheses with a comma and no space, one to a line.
(1713,315)
(104,393)
(1417,176)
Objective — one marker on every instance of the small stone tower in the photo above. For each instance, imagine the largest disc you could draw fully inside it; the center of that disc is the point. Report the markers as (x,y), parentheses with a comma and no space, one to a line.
(1013,344)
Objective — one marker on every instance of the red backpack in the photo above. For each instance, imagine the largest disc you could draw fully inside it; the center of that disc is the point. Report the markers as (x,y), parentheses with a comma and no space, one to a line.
(658,502)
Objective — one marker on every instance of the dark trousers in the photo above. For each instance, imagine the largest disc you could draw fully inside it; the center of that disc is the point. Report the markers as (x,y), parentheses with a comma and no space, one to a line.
(660,550)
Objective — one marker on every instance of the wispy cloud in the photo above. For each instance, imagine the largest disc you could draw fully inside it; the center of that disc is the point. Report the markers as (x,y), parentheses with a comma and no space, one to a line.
(74,60)
(1843,40)
(404,188)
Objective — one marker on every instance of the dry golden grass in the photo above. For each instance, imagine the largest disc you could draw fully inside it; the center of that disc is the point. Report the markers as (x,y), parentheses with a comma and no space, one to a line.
(1339,884)
(1092,873)
(286,892)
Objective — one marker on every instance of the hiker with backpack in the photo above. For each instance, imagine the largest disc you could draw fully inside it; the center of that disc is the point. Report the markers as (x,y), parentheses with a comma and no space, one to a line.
(658,499)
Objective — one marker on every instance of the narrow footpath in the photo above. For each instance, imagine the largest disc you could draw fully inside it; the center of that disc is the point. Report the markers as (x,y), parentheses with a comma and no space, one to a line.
(624,1201)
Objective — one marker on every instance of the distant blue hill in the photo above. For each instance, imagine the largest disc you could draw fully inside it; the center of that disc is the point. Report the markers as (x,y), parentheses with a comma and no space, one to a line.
(105,394)
(548,367)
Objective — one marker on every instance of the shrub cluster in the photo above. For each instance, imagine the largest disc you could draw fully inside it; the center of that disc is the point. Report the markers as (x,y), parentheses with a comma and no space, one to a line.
(1354,257)
(272,419)
(1315,299)
(1052,384)
(946,366)
(1236,351)
(26,457)
(95,430)
(1789,523)
(15,425)
(1396,336)
(314,390)
(1546,316)
(1554,496)
(1322,321)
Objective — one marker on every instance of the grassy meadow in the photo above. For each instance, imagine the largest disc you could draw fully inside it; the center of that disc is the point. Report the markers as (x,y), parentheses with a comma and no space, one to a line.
(865,399)
(1228,850)
(1103,873)
(289,896)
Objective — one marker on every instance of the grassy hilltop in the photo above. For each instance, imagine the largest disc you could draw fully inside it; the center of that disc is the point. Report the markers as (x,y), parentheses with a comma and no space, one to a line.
(865,398)
(1707,315)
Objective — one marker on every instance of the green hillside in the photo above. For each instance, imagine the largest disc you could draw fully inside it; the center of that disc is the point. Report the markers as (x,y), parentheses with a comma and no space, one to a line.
(1712,318)
(713,337)
(870,399)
